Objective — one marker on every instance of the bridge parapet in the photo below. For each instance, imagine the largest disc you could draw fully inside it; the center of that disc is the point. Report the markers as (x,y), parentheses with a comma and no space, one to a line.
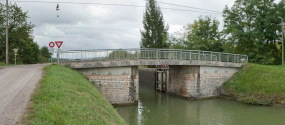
(150,54)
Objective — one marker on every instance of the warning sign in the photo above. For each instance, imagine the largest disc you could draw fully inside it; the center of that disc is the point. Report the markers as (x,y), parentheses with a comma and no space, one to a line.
(58,43)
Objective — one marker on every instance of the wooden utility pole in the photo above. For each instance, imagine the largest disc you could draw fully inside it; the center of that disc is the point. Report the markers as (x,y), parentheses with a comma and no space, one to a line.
(7,42)
(282,42)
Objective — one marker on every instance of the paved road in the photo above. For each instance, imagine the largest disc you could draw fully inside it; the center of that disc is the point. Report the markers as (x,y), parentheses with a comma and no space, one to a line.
(17,83)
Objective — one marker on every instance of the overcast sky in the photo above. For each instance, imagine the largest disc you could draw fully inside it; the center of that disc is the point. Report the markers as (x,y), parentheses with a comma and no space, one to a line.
(83,27)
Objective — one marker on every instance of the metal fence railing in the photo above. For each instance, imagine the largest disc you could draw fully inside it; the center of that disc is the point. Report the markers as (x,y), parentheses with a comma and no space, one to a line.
(170,54)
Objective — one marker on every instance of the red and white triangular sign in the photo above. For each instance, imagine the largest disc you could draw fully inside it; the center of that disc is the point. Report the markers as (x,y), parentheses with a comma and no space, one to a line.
(58,43)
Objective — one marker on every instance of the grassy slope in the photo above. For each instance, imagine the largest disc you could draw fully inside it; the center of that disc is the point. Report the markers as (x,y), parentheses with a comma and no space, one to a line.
(2,64)
(258,84)
(67,97)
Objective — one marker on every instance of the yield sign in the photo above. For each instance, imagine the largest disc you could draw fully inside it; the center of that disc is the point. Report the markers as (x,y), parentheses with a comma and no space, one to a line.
(58,43)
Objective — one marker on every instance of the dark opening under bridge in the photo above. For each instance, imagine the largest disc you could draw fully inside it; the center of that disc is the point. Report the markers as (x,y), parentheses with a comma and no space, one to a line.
(192,73)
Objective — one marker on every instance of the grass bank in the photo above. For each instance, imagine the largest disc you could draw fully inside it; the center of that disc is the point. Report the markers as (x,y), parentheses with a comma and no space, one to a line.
(3,64)
(257,84)
(66,97)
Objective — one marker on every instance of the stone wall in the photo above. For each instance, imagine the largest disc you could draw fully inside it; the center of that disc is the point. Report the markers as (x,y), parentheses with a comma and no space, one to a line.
(213,78)
(198,81)
(119,85)
(183,80)
(147,77)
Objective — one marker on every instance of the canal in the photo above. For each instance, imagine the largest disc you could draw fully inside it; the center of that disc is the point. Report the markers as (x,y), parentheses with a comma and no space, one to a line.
(155,108)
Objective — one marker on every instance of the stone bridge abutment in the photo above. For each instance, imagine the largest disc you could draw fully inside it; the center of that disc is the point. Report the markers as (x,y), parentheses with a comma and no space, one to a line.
(192,73)
(119,85)
(118,80)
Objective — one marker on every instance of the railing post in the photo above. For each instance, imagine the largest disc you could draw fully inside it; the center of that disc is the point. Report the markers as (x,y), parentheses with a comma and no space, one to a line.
(227,57)
(81,56)
(190,55)
(147,54)
(220,57)
(211,56)
(157,54)
(137,54)
(204,56)
(181,55)
(199,54)
(237,58)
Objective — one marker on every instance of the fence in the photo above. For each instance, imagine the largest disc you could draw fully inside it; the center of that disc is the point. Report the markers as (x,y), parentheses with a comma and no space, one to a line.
(170,54)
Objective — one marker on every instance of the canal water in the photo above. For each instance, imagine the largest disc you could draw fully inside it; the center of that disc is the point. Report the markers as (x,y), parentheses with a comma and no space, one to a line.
(155,108)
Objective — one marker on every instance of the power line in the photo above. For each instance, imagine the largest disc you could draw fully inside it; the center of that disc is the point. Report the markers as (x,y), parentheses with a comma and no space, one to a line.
(189,7)
(107,4)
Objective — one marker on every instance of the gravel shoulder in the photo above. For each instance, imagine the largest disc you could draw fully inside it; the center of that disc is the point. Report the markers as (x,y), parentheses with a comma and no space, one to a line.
(17,83)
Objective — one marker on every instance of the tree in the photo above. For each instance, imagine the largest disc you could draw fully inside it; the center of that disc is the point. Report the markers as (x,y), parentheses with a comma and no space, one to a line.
(45,52)
(31,53)
(252,27)
(203,34)
(20,34)
(154,33)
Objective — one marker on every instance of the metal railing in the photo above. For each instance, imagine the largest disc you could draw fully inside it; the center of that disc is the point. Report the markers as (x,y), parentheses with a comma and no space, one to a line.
(159,54)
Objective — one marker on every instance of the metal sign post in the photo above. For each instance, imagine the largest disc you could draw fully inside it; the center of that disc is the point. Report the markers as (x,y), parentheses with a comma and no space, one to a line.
(58,52)
(51,51)
(15,51)
(58,44)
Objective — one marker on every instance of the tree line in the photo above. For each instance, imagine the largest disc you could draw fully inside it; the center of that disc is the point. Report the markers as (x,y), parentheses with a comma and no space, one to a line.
(20,36)
(251,27)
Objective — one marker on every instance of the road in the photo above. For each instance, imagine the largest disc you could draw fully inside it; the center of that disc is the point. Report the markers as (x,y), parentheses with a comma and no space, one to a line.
(17,83)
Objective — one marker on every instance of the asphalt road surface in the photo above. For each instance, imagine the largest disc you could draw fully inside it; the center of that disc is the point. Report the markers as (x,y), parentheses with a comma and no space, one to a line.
(17,83)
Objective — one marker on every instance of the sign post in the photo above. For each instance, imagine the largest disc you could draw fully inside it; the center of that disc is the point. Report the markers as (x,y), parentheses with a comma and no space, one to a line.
(51,50)
(58,44)
(15,51)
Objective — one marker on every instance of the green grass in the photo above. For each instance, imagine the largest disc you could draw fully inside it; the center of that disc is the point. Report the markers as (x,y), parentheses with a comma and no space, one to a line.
(67,97)
(258,84)
(2,64)
(10,64)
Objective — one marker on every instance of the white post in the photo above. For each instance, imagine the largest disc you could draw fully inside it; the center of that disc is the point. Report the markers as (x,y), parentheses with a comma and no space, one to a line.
(57,58)
(15,53)
(7,36)
(51,58)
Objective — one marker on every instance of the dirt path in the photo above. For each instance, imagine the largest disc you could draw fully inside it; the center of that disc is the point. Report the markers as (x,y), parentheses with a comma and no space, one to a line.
(17,83)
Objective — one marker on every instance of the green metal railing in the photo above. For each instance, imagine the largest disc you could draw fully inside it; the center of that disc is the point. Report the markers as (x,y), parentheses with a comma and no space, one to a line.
(159,54)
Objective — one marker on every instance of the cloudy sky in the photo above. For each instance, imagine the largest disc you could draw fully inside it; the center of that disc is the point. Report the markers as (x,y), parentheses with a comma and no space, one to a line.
(91,26)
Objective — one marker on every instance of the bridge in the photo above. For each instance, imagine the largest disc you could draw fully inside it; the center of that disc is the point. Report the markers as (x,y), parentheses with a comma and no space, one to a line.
(191,74)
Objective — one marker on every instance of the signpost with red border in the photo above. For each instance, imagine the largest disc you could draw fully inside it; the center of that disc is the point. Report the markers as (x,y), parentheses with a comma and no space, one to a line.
(51,44)
(58,44)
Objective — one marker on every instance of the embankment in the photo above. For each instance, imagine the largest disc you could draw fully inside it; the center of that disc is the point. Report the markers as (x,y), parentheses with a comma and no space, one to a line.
(67,97)
(257,84)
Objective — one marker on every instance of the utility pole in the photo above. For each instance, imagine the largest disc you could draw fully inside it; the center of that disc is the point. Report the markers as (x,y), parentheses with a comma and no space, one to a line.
(7,42)
(282,42)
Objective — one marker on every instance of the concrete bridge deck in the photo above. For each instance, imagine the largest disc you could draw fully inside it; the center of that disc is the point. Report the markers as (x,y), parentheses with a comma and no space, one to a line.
(146,62)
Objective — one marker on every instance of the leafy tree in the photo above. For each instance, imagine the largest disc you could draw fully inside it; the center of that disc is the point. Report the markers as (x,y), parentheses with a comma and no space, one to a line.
(253,28)
(155,33)
(31,53)
(203,34)
(45,52)
(20,34)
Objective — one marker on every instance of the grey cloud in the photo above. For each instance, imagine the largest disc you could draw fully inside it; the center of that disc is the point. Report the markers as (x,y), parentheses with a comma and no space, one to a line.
(106,27)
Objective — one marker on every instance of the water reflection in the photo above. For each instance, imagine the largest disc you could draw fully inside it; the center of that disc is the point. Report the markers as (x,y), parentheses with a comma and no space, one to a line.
(157,108)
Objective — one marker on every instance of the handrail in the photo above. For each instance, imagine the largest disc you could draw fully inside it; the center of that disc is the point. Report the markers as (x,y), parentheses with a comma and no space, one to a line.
(146,53)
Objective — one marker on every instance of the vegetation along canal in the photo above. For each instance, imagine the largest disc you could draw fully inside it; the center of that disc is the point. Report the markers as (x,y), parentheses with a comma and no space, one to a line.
(156,108)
